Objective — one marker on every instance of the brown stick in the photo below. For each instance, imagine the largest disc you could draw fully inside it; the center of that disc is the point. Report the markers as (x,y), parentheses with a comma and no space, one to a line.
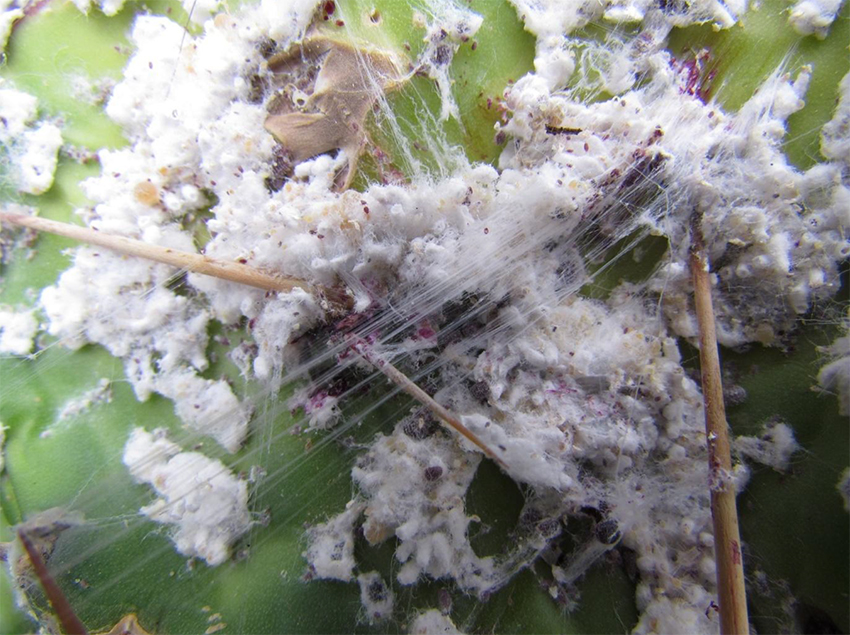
(68,620)
(727,540)
(198,263)
(241,274)
(409,386)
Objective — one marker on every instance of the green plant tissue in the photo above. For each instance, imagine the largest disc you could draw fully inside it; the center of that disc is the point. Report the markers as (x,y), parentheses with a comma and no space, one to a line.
(487,205)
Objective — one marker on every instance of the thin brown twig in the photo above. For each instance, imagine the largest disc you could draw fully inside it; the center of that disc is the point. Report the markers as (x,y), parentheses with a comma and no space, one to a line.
(242,274)
(197,263)
(727,540)
(68,620)
(411,388)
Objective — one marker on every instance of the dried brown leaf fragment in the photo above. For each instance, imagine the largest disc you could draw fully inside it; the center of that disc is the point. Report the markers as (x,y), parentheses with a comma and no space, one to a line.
(327,89)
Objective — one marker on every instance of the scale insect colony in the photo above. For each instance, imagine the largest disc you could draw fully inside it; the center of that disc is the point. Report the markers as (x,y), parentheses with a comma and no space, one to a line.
(464,280)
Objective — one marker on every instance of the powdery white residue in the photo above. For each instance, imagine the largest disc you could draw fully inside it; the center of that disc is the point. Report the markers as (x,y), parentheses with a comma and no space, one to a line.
(414,492)
(18,329)
(161,108)
(161,336)
(789,231)
(778,239)
(588,399)
(222,136)
(432,622)
(286,20)
(814,16)
(376,597)
(18,109)
(148,320)
(552,17)
(206,505)
(199,11)
(773,447)
(537,396)
(450,25)
(37,163)
(843,488)
(148,191)
(109,7)
(556,18)
(102,393)
(430,241)
(531,458)
(208,406)
(835,135)
(835,375)
(33,145)
(621,435)
(312,233)
(89,90)
(554,21)
(331,550)
(321,409)
(554,61)
(519,369)
(677,615)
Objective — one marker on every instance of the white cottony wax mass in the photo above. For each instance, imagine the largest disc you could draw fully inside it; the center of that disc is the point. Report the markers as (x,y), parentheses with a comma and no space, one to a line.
(17,331)
(585,401)
(206,506)
(33,145)
(814,16)
(773,447)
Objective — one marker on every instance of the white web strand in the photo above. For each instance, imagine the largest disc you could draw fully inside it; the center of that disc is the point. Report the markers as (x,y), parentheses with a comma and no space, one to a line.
(494,279)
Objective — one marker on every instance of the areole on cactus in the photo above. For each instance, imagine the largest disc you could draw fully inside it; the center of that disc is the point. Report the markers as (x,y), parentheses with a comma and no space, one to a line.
(487,203)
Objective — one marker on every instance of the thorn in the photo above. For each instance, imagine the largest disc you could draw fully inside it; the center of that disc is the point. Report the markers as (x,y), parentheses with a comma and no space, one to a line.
(409,386)
(69,621)
(197,263)
(731,591)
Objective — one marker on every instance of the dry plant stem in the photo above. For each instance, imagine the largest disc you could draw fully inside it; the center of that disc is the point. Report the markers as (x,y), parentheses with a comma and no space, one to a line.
(241,274)
(727,541)
(407,385)
(197,263)
(68,620)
